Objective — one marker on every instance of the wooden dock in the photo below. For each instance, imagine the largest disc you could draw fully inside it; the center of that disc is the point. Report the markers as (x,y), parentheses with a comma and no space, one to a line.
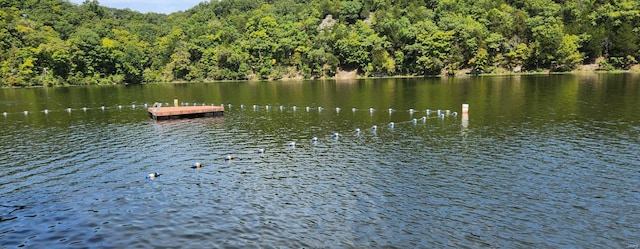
(176,112)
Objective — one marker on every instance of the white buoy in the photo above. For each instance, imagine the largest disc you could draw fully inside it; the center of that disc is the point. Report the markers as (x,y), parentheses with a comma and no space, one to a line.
(465,108)
(338,109)
(196,165)
(353,109)
(261,151)
(414,121)
(241,106)
(439,112)
(336,135)
(424,119)
(255,107)
(314,139)
(320,108)
(221,105)
(119,106)
(145,105)
(281,108)
(26,112)
(229,105)
(294,108)
(357,130)
(4,114)
(390,110)
(228,158)
(411,111)
(102,107)
(375,127)
(292,144)
(46,111)
(84,109)
(428,111)
(441,115)
(447,112)
(69,110)
(391,125)
(268,107)
(308,109)
(371,110)
(153,175)
(454,114)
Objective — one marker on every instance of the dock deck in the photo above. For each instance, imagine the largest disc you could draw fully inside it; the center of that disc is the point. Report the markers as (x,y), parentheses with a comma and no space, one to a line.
(176,112)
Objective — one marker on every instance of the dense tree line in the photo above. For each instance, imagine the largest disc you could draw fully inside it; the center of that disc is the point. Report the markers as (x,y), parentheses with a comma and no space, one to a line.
(55,42)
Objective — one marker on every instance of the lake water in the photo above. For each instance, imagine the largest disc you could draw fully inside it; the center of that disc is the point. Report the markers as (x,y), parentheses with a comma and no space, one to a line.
(539,162)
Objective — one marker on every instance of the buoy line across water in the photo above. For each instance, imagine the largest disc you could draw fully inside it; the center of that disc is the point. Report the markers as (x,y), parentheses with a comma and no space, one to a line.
(314,141)
(440,113)
(427,114)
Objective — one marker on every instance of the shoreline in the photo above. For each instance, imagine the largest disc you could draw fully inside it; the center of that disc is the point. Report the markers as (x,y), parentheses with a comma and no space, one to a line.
(351,75)
(460,74)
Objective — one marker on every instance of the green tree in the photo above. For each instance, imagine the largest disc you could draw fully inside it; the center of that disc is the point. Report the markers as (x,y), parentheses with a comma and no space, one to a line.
(83,48)
(434,51)
(547,34)
(125,57)
(567,56)
(517,53)
(480,61)
(469,34)
(350,11)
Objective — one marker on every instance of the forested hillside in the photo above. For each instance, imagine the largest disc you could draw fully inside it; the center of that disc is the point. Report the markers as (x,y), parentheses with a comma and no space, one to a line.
(55,42)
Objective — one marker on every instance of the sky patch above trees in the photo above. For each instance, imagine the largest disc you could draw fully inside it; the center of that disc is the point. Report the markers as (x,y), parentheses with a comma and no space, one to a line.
(145,6)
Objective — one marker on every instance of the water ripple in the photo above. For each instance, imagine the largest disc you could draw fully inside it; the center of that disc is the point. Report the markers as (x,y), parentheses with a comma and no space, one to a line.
(432,184)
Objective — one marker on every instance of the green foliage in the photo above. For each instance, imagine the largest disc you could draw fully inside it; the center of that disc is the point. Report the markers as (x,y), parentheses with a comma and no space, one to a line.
(568,57)
(52,42)
(359,47)
(433,50)
(480,61)
(605,65)
(350,11)
(612,63)
(547,37)
(516,54)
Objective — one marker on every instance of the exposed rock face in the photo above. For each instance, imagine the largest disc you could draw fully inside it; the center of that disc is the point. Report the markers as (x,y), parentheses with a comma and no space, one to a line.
(369,19)
(327,22)
(517,69)
(342,75)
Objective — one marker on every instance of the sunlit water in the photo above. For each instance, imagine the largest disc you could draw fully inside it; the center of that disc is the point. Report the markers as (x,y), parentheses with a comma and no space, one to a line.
(539,162)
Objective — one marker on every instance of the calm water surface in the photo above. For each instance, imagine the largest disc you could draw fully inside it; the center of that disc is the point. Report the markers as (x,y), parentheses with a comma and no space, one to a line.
(539,162)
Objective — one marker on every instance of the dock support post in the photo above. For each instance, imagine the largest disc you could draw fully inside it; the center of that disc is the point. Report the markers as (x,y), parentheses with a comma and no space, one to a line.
(175,102)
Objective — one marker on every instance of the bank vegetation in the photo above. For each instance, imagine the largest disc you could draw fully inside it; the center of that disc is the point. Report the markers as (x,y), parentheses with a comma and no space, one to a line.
(55,42)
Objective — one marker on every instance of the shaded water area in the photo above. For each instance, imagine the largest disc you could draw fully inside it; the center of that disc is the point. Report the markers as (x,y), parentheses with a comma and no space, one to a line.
(539,162)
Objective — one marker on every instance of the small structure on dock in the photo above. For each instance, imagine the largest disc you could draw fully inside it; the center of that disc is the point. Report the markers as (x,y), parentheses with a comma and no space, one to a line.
(158,112)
